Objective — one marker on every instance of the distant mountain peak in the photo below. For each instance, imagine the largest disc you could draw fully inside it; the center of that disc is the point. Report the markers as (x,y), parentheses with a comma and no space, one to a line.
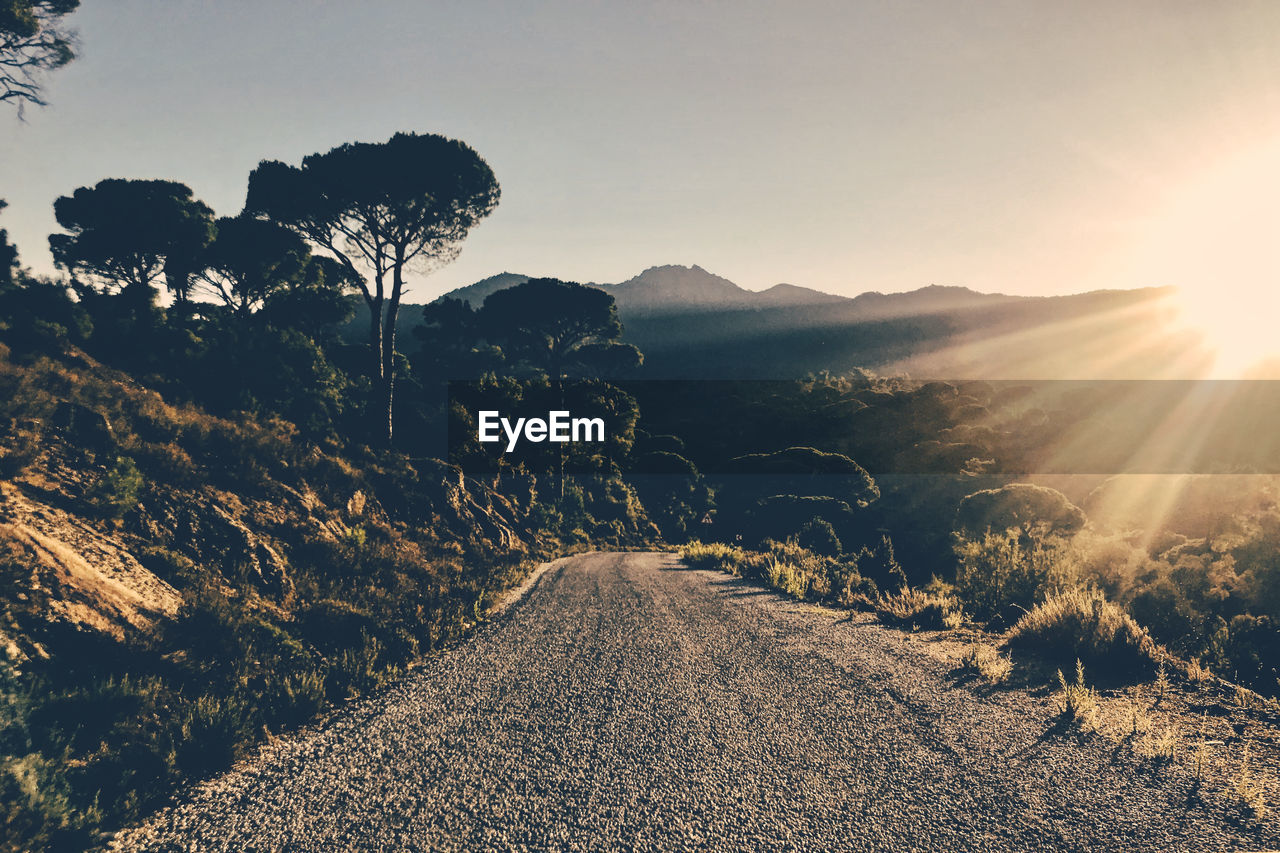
(794,294)
(678,288)
(675,275)
(475,294)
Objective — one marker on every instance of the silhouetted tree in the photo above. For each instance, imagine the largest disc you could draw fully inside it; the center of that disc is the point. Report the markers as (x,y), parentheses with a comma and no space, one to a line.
(251,259)
(8,256)
(451,342)
(1029,509)
(381,209)
(32,41)
(132,234)
(559,327)
(315,303)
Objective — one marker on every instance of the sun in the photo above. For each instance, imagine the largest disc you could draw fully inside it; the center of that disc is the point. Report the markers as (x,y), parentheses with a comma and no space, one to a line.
(1217,240)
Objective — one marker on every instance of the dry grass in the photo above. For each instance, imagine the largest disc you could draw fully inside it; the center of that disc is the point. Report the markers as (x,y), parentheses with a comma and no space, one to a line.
(1199,756)
(1160,744)
(713,555)
(1197,672)
(788,577)
(784,566)
(1079,702)
(1246,791)
(919,609)
(1082,624)
(987,662)
(1139,721)
(1246,700)
(1161,683)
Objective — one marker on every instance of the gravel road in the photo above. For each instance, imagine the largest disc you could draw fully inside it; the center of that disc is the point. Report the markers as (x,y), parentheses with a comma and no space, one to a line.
(628,702)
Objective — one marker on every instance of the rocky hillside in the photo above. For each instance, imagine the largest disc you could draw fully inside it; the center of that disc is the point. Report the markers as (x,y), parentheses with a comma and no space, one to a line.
(178,586)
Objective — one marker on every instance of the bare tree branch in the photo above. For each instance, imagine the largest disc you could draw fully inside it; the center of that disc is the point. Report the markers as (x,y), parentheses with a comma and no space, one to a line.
(32,42)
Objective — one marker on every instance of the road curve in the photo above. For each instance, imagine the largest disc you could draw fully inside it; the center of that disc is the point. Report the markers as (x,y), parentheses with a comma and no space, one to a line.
(628,702)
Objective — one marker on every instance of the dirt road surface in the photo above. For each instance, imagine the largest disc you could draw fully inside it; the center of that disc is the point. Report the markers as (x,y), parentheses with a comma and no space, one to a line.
(626,702)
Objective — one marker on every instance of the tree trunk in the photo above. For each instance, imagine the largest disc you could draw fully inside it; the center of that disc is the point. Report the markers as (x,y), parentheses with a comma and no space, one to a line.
(389,343)
(375,337)
(377,346)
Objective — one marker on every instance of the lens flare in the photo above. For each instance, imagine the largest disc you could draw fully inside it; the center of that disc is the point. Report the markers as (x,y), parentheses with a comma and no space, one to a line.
(1218,241)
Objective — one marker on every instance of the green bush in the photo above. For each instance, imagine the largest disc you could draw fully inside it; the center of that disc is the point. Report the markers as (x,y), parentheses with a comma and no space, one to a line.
(117,492)
(819,536)
(1007,573)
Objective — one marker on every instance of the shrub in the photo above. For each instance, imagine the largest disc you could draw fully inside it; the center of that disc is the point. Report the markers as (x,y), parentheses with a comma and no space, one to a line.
(1081,623)
(915,608)
(796,570)
(23,450)
(36,809)
(212,731)
(1079,703)
(1247,792)
(847,585)
(785,566)
(167,461)
(819,536)
(880,565)
(987,663)
(117,492)
(788,577)
(713,555)
(1006,572)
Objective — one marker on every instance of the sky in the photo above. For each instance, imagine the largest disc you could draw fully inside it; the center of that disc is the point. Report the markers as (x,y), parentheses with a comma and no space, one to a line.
(1020,147)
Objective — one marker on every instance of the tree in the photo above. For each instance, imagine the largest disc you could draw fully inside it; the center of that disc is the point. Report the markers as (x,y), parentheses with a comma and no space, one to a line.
(133,234)
(8,255)
(451,342)
(251,259)
(1033,511)
(32,41)
(315,303)
(558,327)
(382,209)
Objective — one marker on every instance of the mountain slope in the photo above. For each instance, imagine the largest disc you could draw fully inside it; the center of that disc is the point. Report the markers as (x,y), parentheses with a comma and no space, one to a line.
(674,289)
(475,294)
(693,324)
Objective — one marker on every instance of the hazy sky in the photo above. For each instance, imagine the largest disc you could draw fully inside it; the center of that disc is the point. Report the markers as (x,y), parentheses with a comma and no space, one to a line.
(1024,147)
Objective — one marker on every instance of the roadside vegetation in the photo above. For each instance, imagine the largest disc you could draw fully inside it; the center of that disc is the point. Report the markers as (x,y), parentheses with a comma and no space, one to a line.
(381,560)
(221,516)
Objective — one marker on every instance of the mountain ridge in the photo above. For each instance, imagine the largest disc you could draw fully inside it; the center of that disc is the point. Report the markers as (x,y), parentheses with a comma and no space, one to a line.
(667,287)
(692,324)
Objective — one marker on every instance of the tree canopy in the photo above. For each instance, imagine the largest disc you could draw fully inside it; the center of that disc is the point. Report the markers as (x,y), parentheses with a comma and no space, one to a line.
(132,233)
(558,326)
(1024,507)
(32,41)
(250,259)
(381,209)
(8,255)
